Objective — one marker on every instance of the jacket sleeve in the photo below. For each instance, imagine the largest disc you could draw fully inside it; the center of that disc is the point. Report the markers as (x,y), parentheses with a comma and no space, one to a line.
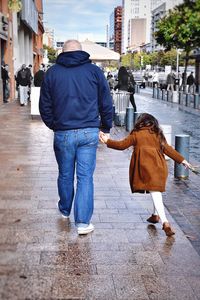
(46,103)
(130,140)
(105,103)
(172,153)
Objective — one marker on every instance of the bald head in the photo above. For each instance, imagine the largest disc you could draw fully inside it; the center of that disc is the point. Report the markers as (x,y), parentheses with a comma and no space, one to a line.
(72,45)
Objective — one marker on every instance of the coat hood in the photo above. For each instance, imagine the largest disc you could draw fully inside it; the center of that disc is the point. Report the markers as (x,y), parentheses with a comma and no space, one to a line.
(73,58)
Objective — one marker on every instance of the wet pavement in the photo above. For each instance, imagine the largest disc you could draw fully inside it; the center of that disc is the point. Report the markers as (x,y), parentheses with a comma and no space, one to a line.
(41,255)
(184,206)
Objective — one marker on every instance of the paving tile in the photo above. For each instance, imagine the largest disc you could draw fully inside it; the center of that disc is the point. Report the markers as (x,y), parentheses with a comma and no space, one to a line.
(126,217)
(28,285)
(130,287)
(91,287)
(124,269)
(168,287)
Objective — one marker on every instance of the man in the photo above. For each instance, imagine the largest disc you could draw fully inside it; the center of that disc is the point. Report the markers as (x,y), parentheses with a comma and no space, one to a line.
(155,79)
(191,83)
(39,76)
(23,82)
(170,81)
(73,94)
(5,80)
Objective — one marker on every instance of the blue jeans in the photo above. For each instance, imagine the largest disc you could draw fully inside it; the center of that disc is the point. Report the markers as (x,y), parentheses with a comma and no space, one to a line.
(76,149)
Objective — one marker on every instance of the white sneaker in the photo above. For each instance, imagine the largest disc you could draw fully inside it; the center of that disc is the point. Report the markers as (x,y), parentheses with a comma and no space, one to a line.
(85,230)
(65,217)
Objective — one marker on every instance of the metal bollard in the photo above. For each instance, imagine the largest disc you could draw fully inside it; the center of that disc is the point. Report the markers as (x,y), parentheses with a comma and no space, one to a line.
(129,118)
(136,115)
(168,96)
(180,97)
(182,142)
(113,112)
(154,93)
(158,93)
(187,100)
(196,101)
(175,97)
(163,94)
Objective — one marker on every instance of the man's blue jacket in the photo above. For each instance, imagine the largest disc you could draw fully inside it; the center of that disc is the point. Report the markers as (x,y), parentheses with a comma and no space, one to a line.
(74,93)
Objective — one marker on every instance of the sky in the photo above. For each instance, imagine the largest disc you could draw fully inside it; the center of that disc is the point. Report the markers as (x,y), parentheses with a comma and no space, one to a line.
(78,19)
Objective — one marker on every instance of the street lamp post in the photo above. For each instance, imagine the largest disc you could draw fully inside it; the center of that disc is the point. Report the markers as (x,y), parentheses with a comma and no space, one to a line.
(178,52)
(177,61)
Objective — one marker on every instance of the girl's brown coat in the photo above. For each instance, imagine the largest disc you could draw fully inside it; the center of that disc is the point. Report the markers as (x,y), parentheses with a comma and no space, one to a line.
(148,169)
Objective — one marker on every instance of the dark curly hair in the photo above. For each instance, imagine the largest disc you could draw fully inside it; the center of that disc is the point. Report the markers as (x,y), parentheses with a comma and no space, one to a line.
(147,120)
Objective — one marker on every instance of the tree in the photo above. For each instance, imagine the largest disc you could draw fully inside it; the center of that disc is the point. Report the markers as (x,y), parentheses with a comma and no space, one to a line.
(51,53)
(180,28)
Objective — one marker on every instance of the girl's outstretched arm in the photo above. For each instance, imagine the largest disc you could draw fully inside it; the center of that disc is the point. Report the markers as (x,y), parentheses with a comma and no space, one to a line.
(122,144)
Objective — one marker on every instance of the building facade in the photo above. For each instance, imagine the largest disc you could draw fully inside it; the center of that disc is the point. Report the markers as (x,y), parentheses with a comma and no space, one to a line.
(118,29)
(48,38)
(137,33)
(38,51)
(134,9)
(6,43)
(159,10)
(22,42)
(115,34)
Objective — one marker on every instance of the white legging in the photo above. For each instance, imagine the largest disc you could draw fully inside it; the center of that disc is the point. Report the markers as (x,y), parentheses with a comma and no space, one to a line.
(158,205)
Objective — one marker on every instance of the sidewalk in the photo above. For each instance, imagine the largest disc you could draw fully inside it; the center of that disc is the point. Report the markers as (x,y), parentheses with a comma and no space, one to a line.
(183,206)
(41,255)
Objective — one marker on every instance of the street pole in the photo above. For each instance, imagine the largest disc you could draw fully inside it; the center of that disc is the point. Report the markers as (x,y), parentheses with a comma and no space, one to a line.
(177,61)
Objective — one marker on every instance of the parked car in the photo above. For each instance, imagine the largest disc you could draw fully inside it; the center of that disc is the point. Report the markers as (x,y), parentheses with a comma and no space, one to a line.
(139,79)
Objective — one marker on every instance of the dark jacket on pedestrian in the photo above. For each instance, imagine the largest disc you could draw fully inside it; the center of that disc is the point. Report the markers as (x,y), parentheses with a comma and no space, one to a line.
(148,169)
(38,78)
(126,81)
(74,93)
(190,80)
(4,75)
(170,78)
(23,77)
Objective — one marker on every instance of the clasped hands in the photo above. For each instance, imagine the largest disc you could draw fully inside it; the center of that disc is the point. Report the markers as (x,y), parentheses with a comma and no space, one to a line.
(103,137)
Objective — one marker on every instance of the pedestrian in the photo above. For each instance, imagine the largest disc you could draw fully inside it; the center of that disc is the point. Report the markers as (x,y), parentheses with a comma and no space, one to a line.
(126,83)
(179,80)
(111,81)
(191,83)
(23,80)
(5,81)
(155,79)
(29,68)
(183,82)
(148,168)
(171,81)
(74,93)
(38,77)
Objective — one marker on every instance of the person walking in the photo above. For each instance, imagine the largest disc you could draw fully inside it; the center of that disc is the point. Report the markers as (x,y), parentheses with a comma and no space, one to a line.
(148,169)
(155,79)
(74,93)
(191,83)
(126,83)
(23,80)
(39,76)
(170,81)
(5,80)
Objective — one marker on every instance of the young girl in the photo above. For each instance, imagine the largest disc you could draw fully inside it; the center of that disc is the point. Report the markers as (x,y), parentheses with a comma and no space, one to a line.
(148,169)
